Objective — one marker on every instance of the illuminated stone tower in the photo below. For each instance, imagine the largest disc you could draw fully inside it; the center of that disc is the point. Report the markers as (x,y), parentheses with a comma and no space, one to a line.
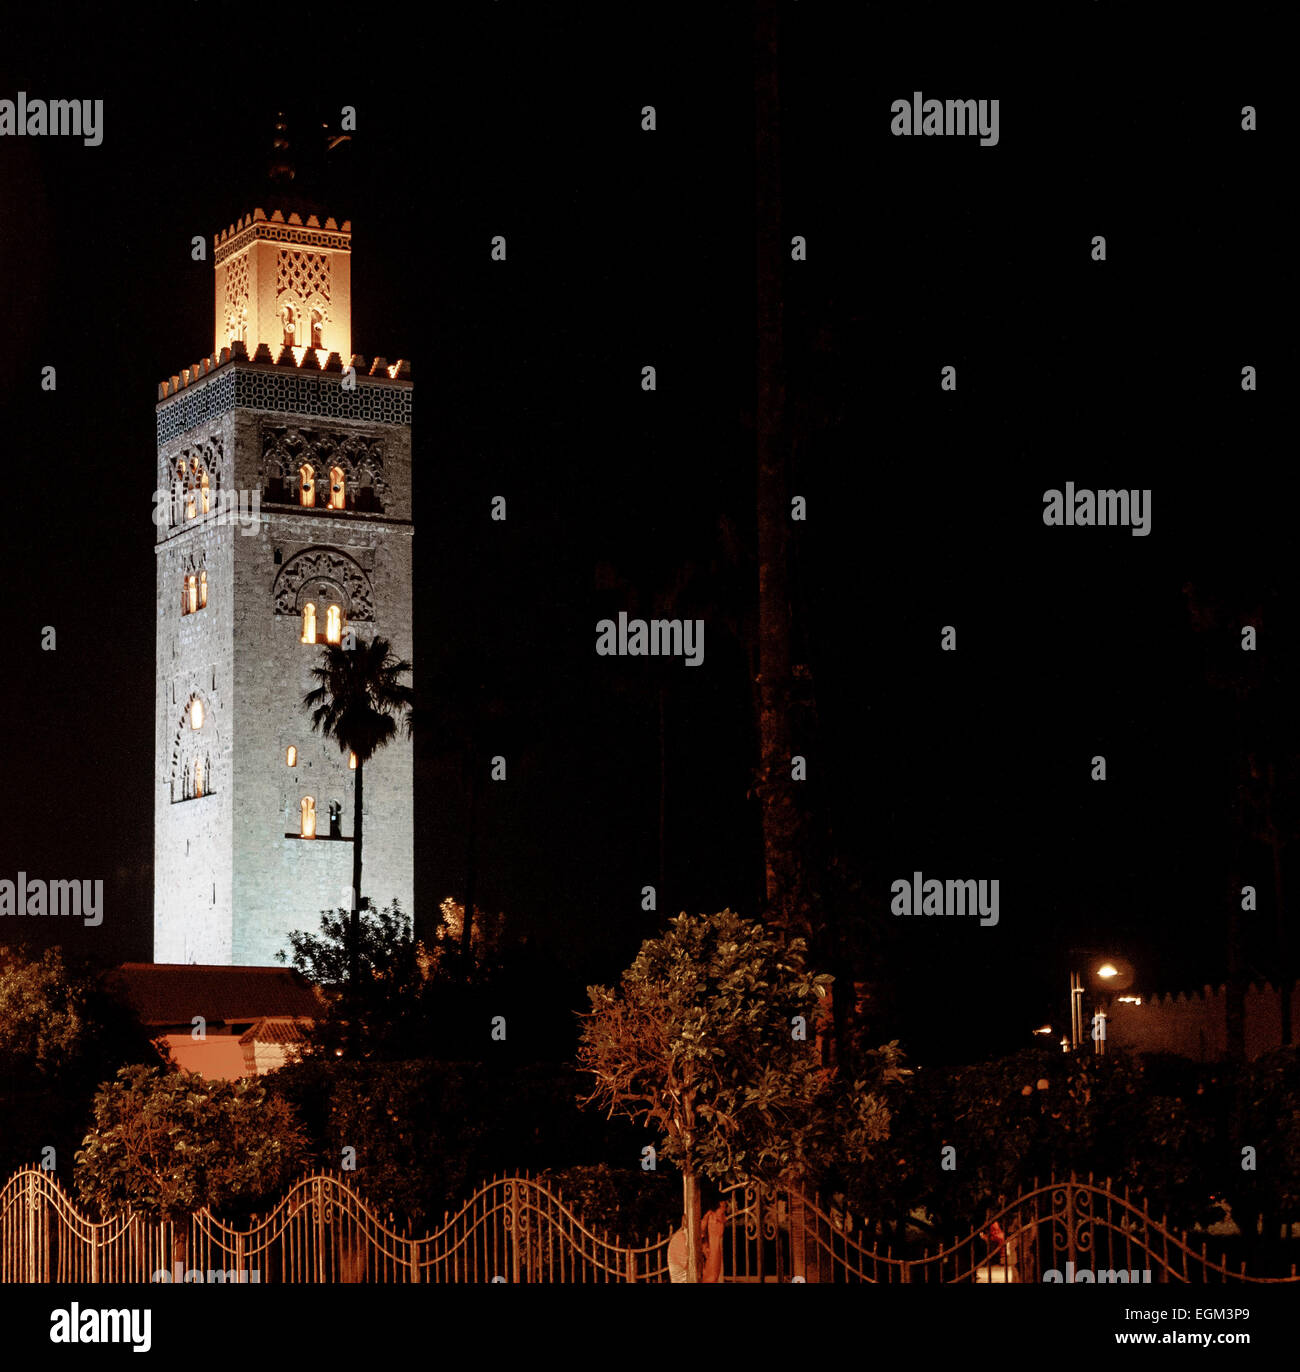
(284,522)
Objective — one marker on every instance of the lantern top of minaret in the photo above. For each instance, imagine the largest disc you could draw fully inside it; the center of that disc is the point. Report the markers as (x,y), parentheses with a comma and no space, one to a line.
(283,285)
(281,169)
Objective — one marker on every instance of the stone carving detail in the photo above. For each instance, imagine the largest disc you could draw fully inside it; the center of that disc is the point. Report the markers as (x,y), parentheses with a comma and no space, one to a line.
(286,447)
(307,574)
(237,299)
(191,745)
(202,458)
(283,390)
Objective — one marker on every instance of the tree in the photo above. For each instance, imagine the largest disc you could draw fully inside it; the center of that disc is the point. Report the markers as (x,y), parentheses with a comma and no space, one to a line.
(165,1144)
(710,1039)
(61,1034)
(388,1014)
(358,702)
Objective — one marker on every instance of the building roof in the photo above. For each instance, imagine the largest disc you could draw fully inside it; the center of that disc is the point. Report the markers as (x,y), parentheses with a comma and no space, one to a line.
(274,1031)
(173,992)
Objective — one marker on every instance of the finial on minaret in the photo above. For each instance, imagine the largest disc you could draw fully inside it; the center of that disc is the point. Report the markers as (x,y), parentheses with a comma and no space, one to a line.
(281,167)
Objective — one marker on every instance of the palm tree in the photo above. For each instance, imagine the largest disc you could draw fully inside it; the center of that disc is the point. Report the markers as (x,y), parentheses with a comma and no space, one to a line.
(359,702)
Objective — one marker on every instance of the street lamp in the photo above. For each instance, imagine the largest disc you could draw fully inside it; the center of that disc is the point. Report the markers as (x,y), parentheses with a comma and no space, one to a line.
(1103,974)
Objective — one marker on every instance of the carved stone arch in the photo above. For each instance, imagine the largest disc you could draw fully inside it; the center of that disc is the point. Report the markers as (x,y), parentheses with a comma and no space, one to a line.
(362,459)
(323,591)
(209,454)
(303,575)
(189,744)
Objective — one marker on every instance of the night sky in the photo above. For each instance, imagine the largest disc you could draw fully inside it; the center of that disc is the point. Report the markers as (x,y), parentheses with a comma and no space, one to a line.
(627,249)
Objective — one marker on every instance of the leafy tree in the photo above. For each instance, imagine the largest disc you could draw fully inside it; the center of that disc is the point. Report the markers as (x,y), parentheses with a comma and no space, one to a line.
(61,1034)
(711,1040)
(358,702)
(1039,1113)
(165,1144)
(1271,1125)
(631,1205)
(425,1134)
(388,1015)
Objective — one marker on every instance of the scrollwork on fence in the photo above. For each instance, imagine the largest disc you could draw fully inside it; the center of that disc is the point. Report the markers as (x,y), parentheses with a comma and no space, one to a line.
(517,1229)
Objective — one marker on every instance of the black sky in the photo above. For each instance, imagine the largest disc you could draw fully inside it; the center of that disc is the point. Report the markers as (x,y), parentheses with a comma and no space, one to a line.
(628,248)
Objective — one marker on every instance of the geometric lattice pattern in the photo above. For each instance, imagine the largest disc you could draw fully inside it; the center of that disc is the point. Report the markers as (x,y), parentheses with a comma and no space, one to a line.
(282,390)
(303,275)
(237,296)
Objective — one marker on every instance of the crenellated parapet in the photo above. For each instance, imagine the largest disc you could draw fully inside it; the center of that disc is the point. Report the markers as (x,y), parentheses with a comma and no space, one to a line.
(276,228)
(302,359)
(378,394)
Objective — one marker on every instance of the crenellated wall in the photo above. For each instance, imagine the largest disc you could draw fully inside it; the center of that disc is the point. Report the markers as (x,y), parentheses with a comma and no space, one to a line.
(1195,1025)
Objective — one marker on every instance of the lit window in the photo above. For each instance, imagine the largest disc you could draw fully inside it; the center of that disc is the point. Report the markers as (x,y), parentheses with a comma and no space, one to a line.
(291,756)
(198,778)
(289,325)
(338,489)
(308,817)
(203,491)
(306,486)
(191,594)
(333,624)
(203,583)
(316,323)
(309,623)
(352,762)
(196,713)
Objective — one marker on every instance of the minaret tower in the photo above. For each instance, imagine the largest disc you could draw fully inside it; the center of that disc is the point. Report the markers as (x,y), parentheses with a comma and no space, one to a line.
(284,523)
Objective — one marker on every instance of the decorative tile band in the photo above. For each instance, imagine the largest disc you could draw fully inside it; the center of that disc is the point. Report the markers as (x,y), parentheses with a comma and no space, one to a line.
(291,392)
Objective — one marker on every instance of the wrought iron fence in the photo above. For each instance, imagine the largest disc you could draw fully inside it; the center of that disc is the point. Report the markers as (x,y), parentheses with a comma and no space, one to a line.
(517,1229)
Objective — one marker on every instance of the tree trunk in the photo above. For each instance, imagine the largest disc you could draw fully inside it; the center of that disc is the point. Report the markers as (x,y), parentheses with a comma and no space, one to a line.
(354,922)
(776,802)
(1283,942)
(471,859)
(694,1255)
(660,895)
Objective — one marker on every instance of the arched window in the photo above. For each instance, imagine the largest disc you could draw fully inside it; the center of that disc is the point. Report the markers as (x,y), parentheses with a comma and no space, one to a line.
(336,819)
(198,778)
(316,324)
(352,762)
(306,486)
(338,489)
(308,817)
(191,594)
(290,325)
(203,492)
(291,756)
(203,582)
(309,622)
(333,624)
(196,713)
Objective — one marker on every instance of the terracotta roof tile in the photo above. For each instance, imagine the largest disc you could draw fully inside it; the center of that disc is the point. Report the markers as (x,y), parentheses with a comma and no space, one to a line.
(173,993)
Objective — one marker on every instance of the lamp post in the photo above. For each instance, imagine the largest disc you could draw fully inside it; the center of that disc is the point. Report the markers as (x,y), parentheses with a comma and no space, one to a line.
(1103,975)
